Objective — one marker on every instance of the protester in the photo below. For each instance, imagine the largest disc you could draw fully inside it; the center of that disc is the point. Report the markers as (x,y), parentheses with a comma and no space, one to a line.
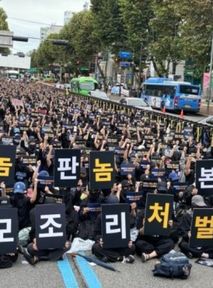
(45,119)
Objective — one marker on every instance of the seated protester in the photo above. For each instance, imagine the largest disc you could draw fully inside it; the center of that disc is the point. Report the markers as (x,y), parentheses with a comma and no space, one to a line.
(148,247)
(188,194)
(88,214)
(184,229)
(129,183)
(146,175)
(173,176)
(22,172)
(76,193)
(115,254)
(72,218)
(7,260)
(32,254)
(23,203)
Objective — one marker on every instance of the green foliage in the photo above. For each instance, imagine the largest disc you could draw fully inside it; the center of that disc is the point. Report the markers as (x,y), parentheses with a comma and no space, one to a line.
(108,24)
(163,31)
(3,26)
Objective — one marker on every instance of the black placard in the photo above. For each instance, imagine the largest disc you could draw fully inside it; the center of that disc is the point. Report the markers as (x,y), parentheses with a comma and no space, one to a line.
(7,164)
(202,228)
(50,226)
(115,225)
(204,177)
(127,168)
(157,214)
(101,170)
(67,167)
(8,230)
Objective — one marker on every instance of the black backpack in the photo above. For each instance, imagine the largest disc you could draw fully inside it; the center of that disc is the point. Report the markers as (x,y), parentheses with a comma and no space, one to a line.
(173,265)
(5,262)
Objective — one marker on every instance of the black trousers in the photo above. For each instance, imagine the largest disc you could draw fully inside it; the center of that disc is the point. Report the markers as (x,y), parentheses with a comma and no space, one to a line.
(112,255)
(160,246)
(185,248)
(47,255)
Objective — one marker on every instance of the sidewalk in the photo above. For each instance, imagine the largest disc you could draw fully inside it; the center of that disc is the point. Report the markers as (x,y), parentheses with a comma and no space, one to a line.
(204,108)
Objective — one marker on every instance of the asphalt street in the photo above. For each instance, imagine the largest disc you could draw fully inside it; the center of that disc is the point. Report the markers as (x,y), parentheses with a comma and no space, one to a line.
(137,275)
(187,116)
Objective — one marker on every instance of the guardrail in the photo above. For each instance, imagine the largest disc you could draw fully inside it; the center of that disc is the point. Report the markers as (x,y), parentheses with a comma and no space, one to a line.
(175,121)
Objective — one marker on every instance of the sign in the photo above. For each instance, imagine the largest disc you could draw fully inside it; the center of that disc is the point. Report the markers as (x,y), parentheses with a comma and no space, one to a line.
(204,177)
(101,171)
(17,102)
(115,225)
(125,55)
(8,230)
(125,64)
(127,169)
(7,164)
(67,167)
(50,226)
(132,197)
(206,79)
(202,228)
(158,213)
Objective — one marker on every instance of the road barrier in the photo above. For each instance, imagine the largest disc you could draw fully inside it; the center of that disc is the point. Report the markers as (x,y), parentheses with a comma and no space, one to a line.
(176,122)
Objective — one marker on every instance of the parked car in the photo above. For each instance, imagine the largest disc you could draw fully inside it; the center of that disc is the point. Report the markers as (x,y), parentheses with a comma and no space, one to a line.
(136,102)
(99,94)
(120,89)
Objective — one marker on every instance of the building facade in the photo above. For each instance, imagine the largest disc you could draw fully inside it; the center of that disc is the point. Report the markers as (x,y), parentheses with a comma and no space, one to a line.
(46,31)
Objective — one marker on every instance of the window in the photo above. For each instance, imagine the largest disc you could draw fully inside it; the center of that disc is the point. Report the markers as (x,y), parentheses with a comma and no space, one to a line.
(188,89)
(159,90)
(89,86)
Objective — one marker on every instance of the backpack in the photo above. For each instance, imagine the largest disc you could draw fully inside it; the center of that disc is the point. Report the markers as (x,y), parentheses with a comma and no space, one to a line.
(173,265)
(6,261)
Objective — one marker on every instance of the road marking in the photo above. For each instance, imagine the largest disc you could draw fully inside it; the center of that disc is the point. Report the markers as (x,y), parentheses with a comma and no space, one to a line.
(67,273)
(88,274)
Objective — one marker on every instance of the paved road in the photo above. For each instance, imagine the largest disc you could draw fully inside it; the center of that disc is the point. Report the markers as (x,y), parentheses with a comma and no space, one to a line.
(137,275)
(188,116)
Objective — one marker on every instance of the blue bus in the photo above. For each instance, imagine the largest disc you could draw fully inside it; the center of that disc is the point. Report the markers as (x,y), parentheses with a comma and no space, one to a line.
(173,95)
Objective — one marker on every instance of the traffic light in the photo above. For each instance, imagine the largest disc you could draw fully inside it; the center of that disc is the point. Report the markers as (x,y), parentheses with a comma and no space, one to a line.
(59,42)
(20,38)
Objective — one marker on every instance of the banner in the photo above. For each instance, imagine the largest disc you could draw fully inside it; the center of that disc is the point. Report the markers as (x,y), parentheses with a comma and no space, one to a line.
(158,212)
(101,170)
(50,226)
(202,228)
(204,177)
(115,225)
(132,197)
(67,167)
(7,164)
(127,168)
(8,230)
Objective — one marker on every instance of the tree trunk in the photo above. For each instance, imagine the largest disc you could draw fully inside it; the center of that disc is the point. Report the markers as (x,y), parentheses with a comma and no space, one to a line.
(156,67)
(174,66)
(102,75)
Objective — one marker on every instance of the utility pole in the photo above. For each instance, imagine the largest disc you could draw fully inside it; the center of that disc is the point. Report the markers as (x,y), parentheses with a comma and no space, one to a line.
(210,77)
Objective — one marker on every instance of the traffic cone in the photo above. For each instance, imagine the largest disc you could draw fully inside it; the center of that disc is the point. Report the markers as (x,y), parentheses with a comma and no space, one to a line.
(163,109)
(181,114)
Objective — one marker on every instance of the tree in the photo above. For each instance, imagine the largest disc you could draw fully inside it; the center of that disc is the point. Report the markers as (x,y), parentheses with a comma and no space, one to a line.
(165,43)
(108,24)
(153,26)
(3,26)
(79,33)
(196,32)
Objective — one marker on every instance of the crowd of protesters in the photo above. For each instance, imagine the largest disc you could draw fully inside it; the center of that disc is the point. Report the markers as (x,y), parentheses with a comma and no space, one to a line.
(42,119)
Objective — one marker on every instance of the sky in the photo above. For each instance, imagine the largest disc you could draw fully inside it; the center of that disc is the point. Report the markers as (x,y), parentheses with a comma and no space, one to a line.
(42,11)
